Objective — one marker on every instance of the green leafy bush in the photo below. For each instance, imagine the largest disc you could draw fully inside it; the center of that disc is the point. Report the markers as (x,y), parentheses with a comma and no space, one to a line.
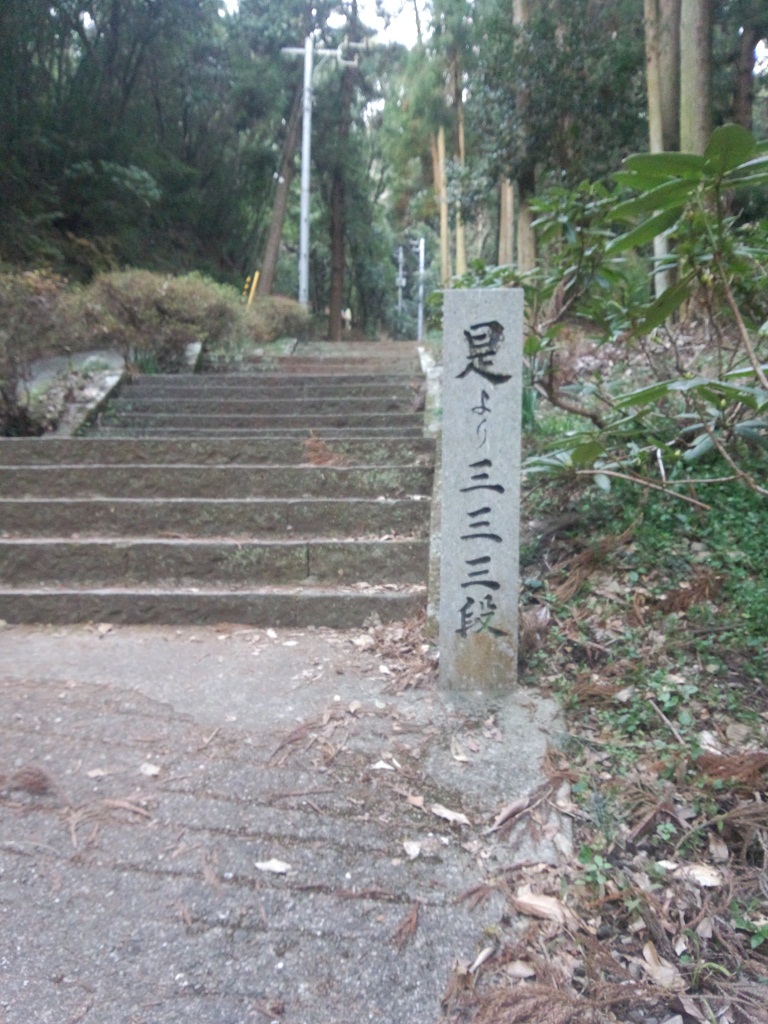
(270,317)
(150,318)
(30,305)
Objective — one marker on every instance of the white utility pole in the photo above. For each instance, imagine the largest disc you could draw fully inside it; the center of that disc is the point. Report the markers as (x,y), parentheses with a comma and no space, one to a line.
(420,334)
(308,51)
(400,280)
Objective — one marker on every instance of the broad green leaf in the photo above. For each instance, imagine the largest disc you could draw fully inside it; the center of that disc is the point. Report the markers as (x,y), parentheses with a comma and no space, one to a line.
(662,308)
(666,165)
(701,446)
(644,232)
(586,453)
(603,482)
(637,182)
(748,371)
(729,146)
(645,396)
(664,197)
(753,430)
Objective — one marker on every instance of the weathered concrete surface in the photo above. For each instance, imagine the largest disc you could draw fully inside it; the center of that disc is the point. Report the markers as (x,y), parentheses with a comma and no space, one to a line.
(236,481)
(306,421)
(299,605)
(133,898)
(236,518)
(223,451)
(292,529)
(200,562)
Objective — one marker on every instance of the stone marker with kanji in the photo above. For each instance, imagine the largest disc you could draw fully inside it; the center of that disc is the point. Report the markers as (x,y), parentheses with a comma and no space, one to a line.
(480,500)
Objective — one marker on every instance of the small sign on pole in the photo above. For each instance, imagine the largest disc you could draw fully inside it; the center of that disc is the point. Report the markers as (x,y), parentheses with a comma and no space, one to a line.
(480,501)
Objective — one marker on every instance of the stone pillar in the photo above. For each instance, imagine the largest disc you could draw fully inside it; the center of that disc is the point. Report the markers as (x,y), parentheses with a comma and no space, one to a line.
(480,500)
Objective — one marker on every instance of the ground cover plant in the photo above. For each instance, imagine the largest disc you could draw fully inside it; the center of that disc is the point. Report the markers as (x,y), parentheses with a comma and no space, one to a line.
(656,646)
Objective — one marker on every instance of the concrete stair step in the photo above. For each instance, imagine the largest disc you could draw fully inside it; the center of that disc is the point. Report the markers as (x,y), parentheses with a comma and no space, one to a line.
(273,433)
(298,607)
(224,451)
(266,405)
(304,421)
(220,562)
(293,492)
(250,384)
(327,367)
(214,517)
(236,481)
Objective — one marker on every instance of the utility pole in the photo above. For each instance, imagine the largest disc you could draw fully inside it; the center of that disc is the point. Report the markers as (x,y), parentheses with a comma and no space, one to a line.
(420,248)
(400,280)
(308,52)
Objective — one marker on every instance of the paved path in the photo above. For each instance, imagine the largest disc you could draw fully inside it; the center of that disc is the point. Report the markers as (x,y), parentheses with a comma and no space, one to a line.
(186,762)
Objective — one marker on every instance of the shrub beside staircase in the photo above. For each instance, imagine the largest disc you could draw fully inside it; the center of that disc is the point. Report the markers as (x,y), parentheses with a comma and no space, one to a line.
(295,492)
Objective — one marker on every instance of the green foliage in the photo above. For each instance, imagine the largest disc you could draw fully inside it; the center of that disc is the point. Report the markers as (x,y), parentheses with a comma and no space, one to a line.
(151,319)
(714,413)
(30,305)
(566,93)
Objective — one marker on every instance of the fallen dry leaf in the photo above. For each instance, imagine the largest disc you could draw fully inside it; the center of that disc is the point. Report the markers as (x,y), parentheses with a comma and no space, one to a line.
(548,907)
(457,753)
(519,969)
(482,956)
(510,811)
(718,850)
(406,929)
(275,866)
(661,972)
(705,875)
(455,817)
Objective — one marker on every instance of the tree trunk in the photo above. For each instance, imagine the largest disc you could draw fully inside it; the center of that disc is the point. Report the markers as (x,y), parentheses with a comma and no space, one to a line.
(506,223)
(745,77)
(662,54)
(662,44)
(526,181)
(526,236)
(461,244)
(338,200)
(338,254)
(285,176)
(695,75)
(669,70)
(438,171)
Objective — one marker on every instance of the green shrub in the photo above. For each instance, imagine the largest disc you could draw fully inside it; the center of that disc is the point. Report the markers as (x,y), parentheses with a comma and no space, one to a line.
(30,308)
(150,318)
(275,316)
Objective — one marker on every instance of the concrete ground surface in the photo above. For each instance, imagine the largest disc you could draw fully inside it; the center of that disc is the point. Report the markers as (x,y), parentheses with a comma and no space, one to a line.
(226,825)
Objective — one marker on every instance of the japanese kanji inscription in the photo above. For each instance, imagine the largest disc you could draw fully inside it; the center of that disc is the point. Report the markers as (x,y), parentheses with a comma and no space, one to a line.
(480,519)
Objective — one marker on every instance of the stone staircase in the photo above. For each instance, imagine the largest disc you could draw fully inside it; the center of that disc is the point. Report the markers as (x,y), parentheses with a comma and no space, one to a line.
(295,492)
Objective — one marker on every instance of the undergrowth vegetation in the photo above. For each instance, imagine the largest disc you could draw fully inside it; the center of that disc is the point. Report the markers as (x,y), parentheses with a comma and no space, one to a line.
(150,319)
(654,642)
(645,604)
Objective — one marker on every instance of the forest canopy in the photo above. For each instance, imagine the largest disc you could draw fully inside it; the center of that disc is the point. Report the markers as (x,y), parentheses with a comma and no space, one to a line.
(164,134)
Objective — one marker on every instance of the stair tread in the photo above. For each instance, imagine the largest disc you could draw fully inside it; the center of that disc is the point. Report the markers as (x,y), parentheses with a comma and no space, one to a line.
(151,527)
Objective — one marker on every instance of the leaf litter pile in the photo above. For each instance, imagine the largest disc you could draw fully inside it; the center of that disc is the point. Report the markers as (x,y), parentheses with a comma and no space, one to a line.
(660,913)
